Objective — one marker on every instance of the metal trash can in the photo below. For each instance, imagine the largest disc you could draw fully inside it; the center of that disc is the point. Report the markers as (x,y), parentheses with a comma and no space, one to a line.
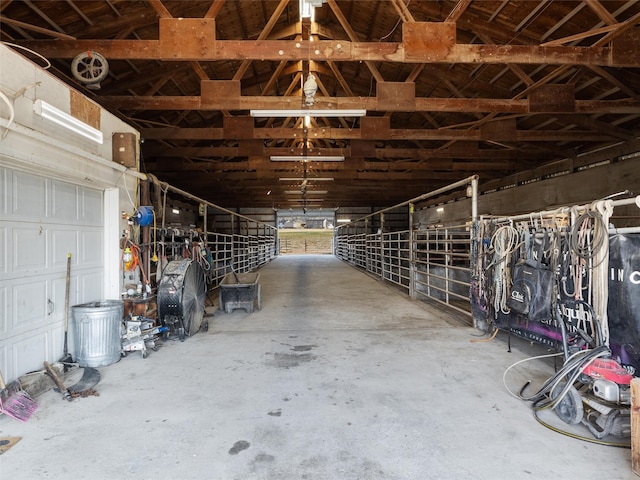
(98,332)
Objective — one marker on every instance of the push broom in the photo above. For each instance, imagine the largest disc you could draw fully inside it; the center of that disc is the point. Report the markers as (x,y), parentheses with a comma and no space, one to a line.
(15,402)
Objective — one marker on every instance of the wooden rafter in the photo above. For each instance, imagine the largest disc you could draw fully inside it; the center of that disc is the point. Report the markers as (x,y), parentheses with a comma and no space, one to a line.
(215,8)
(263,34)
(508,90)
(601,11)
(458,10)
(160,9)
(353,37)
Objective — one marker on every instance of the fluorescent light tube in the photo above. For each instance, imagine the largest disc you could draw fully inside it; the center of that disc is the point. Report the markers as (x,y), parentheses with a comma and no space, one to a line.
(306,9)
(297,179)
(67,121)
(308,112)
(307,158)
(299,192)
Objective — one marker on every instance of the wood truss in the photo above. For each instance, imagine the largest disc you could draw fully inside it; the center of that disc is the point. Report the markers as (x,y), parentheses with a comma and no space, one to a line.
(506,89)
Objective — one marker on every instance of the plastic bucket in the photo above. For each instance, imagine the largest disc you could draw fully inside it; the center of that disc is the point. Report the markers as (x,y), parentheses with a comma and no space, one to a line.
(97,332)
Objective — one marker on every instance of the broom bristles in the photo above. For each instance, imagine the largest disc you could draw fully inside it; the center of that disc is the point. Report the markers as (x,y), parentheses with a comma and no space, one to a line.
(19,406)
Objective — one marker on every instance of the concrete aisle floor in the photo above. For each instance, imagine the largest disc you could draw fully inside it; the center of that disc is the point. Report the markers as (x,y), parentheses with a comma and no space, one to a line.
(338,377)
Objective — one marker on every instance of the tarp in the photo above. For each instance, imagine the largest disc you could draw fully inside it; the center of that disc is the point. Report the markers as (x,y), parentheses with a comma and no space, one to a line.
(624,298)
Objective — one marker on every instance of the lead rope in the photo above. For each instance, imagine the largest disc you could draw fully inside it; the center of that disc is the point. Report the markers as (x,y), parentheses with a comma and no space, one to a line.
(478,256)
(590,249)
(600,290)
(504,242)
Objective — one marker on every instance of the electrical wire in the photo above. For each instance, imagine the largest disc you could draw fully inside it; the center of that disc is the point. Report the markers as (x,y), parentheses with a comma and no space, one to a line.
(481,340)
(12,112)
(548,396)
(126,189)
(15,45)
(573,368)
(536,415)
(155,239)
(538,357)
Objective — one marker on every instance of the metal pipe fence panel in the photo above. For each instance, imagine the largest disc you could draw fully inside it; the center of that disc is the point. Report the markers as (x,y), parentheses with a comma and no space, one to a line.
(373,254)
(430,264)
(441,257)
(396,258)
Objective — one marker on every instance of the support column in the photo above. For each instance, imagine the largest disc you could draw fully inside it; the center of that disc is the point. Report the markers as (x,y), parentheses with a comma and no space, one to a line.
(635,426)
(412,265)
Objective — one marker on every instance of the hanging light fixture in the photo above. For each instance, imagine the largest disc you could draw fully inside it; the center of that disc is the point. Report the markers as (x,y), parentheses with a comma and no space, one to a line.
(307,6)
(307,158)
(310,112)
(310,88)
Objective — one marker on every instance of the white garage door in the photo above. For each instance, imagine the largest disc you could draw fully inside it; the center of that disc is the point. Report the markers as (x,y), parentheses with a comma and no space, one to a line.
(41,222)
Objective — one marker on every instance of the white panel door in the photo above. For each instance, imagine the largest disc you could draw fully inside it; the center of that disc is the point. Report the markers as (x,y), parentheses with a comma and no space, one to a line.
(41,222)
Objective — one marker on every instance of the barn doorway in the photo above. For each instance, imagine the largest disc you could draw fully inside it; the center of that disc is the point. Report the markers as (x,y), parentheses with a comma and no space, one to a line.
(306,232)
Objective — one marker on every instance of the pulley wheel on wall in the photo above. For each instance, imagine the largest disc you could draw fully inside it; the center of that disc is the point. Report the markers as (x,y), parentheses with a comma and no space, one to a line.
(181,294)
(90,68)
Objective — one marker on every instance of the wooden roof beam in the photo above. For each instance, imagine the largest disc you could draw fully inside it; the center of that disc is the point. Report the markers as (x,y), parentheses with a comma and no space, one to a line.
(34,28)
(614,81)
(462,105)
(215,8)
(601,11)
(353,37)
(328,50)
(389,134)
(563,21)
(403,10)
(44,16)
(263,34)
(458,10)
(159,8)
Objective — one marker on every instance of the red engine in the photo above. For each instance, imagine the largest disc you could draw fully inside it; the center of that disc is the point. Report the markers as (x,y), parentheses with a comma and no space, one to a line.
(608,369)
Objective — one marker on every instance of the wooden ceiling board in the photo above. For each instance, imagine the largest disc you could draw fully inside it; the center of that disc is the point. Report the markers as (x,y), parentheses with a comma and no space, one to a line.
(530,113)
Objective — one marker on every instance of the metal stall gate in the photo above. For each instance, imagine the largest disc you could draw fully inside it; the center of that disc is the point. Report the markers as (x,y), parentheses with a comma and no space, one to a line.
(225,240)
(430,262)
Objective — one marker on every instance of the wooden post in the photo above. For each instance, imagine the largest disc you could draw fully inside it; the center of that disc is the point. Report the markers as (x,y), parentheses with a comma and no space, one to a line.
(635,425)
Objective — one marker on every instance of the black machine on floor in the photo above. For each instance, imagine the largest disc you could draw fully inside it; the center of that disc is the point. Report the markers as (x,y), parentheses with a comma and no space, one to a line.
(591,388)
(181,298)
